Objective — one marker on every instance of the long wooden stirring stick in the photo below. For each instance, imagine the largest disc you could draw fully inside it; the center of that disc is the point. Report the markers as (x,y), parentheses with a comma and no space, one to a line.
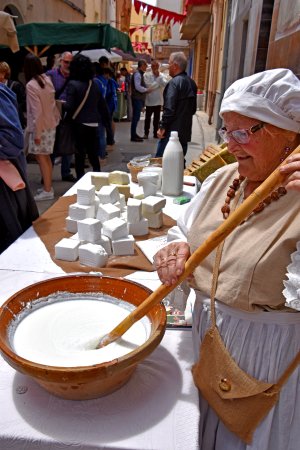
(213,240)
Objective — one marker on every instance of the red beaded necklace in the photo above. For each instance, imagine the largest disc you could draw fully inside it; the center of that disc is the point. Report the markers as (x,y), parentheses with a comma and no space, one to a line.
(234,187)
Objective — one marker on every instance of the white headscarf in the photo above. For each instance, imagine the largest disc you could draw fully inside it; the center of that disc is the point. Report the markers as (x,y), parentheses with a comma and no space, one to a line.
(272,96)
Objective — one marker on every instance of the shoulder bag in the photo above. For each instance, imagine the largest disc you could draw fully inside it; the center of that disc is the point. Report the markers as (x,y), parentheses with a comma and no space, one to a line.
(240,401)
(64,138)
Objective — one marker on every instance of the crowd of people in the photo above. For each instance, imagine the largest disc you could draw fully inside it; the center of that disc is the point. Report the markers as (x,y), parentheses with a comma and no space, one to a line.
(52,94)
(239,287)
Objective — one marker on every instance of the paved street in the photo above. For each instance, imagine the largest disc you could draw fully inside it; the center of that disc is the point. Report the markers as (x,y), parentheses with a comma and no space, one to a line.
(124,150)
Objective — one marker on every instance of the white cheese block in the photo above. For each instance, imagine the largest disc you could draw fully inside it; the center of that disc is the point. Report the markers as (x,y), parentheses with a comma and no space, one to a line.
(138,193)
(123,246)
(67,249)
(107,211)
(80,212)
(96,203)
(99,180)
(115,228)
(118,177)
(149,182)
(108,194)
(155,220)
(134,210)
(157,170)
(76,237)
(124,215)
(86,196)
(153,204)
(140,228)
(105,242)
(121,204)
(71,225)
(92,255)
(122,201)
(124,189)
(89,229)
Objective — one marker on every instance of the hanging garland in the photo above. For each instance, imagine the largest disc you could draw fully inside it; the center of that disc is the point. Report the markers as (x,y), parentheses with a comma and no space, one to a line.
(134,29)
(158,13)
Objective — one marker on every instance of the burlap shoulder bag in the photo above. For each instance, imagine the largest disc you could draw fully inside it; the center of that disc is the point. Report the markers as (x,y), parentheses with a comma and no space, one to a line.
(239,400)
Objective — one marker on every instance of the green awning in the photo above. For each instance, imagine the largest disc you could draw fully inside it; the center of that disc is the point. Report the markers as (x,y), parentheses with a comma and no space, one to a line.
(50,38)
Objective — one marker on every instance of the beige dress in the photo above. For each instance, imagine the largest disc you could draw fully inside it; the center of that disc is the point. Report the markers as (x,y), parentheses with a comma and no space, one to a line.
(261,334)
(42,116)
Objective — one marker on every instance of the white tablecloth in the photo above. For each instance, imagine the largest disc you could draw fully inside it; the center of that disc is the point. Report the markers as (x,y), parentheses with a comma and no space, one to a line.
(29,253)
(157,409)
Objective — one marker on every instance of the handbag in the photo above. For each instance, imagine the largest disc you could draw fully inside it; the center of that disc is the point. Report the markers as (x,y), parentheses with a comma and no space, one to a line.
(65,143)
(239,400)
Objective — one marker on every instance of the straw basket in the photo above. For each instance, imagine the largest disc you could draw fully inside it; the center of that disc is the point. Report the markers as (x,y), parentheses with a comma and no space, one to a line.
(155,162)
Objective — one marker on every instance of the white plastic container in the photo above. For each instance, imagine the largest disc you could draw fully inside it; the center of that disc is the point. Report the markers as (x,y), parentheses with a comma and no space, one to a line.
(172,167)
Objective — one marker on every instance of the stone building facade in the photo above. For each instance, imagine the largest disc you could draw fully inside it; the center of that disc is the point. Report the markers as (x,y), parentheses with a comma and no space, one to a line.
(35,10)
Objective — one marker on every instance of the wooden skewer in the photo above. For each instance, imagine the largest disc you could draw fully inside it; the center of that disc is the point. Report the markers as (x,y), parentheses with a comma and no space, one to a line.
(213,240)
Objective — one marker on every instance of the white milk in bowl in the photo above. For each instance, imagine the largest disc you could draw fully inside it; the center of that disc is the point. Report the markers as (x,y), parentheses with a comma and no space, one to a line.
(64,329)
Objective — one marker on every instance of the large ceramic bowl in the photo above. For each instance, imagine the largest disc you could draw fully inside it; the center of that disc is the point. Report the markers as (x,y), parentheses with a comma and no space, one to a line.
(79,383)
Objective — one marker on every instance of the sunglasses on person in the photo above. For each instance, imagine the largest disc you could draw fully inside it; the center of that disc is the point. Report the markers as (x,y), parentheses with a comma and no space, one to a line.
(241,136)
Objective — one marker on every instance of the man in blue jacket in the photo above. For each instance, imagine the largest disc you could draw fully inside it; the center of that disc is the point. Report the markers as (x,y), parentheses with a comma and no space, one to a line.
(180,104)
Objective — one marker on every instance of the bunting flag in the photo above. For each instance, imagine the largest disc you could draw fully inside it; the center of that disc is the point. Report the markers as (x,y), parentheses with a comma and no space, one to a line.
(141,47)
(134,29)
(158,13)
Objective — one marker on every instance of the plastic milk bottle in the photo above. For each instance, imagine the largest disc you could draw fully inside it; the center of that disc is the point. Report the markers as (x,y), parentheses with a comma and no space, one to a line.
(172,167)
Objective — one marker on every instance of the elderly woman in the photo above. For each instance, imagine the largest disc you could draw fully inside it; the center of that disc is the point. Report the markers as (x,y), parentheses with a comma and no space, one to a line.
(261,117)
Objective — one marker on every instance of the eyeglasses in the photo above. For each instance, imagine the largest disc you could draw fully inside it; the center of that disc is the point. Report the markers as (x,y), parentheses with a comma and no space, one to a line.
(241,136)
(66,62)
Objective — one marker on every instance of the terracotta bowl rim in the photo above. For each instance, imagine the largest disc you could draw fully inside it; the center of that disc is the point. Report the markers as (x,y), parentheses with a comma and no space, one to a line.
(143,350)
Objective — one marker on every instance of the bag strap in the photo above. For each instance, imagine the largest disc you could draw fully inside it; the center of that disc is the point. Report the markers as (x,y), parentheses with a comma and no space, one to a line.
(217,266)
(83,101)
(11,84)
(296,361)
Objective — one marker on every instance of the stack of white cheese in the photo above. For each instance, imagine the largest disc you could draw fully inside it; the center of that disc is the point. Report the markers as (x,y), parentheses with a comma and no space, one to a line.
(103,225)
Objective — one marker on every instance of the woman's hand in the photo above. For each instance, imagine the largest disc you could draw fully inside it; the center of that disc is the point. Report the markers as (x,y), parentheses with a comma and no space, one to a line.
(291,170)
(169,262)
(161,133)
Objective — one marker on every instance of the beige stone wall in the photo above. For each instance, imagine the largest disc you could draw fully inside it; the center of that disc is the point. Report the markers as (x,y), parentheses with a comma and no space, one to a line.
(36,10)
(96,11)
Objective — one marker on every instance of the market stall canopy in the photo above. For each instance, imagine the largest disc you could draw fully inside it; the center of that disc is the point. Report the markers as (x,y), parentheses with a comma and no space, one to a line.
(43,38)
(96,53)
(128,56)
(8,34)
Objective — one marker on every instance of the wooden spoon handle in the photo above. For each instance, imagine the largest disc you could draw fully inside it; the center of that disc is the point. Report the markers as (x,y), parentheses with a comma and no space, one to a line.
(213,240)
